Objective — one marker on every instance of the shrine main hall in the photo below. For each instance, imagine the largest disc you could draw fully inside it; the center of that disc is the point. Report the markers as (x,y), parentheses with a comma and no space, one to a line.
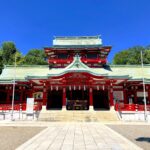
(77,77)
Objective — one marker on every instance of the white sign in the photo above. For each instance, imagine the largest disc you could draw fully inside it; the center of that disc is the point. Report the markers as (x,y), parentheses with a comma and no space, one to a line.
(118,95)
(30,105)
(141,94)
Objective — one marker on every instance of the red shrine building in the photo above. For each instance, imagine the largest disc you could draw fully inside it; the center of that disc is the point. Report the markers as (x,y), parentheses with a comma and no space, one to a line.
(77,77)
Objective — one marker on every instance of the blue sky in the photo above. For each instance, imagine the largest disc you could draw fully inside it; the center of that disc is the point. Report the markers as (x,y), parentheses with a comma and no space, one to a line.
(33,23)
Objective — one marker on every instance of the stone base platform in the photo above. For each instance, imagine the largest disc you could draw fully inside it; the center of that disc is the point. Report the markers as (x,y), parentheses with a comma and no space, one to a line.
(78,115)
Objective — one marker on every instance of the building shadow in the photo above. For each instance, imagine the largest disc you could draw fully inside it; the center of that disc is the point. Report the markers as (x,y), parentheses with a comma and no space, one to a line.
(143,139)
(107,67)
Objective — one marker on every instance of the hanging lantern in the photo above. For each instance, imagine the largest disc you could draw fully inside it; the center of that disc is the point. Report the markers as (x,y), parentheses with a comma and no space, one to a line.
(97,87)
(51,88)
(74,87)
(103,87)
(84,87)
(79,87)
(69,88)
(56,88)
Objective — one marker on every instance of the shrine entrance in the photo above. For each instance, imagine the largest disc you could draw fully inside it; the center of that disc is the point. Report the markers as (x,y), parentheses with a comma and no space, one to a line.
(100,100)
(54,100)
(77,99)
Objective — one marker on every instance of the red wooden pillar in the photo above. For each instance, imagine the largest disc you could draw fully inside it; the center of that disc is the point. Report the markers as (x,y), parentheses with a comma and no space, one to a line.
(90,97)
(125,96)
(21,94)
(8,96)
(111,97)
(135,97)
(30,93)
(64,98)
(21,97)
(44,97)
(149,95)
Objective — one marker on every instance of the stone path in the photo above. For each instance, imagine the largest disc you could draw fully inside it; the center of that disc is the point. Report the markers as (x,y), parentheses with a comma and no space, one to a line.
(81,136)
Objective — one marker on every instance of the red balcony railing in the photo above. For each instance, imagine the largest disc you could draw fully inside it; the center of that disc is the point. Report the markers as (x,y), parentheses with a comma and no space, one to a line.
(17,107)
(60,61)
(84,60)
(94,60)
(131,107)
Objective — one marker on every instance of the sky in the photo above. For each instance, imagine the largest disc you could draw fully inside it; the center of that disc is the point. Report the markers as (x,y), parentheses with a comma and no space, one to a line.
(33,23)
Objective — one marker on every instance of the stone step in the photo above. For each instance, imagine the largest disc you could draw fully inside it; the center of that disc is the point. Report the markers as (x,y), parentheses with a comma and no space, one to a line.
(83,116)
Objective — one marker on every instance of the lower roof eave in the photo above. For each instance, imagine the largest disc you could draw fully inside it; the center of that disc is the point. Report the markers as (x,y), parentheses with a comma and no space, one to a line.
(139,79)
(36,77)
(119,77)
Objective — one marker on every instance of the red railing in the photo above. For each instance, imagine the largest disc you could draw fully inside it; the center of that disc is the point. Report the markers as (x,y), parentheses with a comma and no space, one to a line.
(60,61)
(17,107)
(96,60)
(131,107)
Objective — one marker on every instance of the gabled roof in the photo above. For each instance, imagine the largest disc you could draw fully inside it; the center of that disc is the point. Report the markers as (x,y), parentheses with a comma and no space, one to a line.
(23,73)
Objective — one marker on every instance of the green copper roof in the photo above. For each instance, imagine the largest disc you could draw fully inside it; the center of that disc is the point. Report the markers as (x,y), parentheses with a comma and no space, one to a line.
(77,37)
(77,46)
(23,73)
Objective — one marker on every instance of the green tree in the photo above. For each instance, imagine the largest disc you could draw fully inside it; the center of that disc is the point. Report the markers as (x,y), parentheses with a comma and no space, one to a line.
(132,56)
(8,52)
(35,57)
(1,61)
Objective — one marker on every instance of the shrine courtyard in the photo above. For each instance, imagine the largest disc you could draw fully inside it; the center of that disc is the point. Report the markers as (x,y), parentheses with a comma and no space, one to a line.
(74,135)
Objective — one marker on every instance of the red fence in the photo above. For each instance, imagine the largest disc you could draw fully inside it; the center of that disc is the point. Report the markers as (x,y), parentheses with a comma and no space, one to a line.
(131,107)
(17,107)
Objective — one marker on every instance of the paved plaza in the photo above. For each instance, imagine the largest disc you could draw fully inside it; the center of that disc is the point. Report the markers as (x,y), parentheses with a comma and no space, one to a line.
(81,136)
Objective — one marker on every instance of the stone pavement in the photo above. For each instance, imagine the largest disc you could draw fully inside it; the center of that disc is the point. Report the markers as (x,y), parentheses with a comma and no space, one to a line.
(81,136)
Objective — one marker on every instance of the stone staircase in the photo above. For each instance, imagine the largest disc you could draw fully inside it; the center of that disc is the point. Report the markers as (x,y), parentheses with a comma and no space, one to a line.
(78,116)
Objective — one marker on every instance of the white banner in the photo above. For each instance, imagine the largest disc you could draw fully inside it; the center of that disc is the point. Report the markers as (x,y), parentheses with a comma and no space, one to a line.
(30,105)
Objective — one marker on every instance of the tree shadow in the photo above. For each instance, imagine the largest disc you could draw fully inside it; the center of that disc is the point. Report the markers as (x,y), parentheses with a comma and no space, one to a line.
(143,139)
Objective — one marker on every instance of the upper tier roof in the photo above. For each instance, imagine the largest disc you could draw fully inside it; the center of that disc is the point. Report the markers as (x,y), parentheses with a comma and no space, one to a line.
(78,41)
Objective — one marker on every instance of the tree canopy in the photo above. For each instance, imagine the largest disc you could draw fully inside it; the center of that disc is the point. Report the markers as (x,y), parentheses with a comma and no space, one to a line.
(133,56)
(8,52)
(35,57)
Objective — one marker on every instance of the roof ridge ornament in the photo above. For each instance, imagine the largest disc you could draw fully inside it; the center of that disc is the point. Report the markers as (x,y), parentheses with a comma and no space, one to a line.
(77,63)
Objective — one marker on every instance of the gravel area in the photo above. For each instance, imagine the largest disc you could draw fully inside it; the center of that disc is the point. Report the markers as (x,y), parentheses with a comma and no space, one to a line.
(138,134)
(12,137)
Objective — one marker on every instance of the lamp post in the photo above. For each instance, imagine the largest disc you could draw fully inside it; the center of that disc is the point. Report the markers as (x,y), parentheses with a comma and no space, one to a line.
(13,94)
(144,93)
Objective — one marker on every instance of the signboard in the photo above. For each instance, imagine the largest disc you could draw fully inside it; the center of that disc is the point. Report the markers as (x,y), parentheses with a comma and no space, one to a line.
(141,94)
(30,105)
(118,95)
